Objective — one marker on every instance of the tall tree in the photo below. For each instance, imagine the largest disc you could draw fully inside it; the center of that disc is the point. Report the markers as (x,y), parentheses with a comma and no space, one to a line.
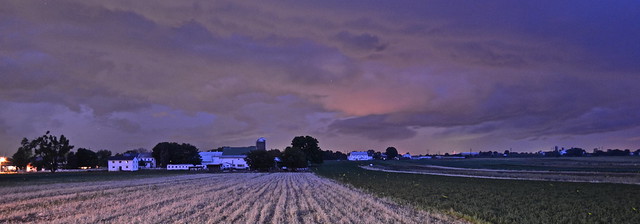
(72,161)
(260,160)
(294,158)
(391,152)
(52,150)
(87,158)
(309,146)
(103,157)
(23,156)
(174,153)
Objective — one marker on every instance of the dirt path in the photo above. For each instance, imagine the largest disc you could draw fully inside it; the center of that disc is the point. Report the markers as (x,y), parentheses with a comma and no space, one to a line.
(205,198)
(561,176)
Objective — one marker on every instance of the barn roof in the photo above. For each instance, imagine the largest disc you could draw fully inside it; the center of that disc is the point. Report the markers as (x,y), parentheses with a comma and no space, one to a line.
(121,157)
(229,151)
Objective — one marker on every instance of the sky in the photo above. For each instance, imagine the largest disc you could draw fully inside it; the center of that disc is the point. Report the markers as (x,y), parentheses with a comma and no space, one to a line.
(422,76)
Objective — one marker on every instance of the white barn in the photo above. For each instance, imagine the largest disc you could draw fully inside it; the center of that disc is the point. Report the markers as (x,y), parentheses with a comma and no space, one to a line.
(234,162)
(234,157)
(149,161)
(357,156)
(229,158)
(211,160)
(123,163)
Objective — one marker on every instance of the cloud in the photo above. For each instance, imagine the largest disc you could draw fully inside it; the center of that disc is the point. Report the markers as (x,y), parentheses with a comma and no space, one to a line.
(374,127)
(363,42)
(210,74)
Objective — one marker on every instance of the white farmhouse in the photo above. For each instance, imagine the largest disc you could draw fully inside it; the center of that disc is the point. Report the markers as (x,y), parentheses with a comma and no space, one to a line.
(357,156)
(123,163)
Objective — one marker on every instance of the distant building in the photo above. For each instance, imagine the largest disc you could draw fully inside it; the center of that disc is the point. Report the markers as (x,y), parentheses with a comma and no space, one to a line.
(184,167)
(230,157)
(123,163)
(234,157)
(261,144)
(357,156)
(211,160)
(149,161)
(470,153)
(406,156)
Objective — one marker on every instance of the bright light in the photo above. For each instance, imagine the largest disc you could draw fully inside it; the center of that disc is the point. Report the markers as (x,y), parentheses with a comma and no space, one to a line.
(2,159)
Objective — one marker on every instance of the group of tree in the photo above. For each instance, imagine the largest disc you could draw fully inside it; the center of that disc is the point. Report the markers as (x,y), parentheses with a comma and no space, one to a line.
(571,152)
(87,158)
(174,153)
(263,160)
(304,150)
(53,152)
(331,155)
(46,151)
(615,152)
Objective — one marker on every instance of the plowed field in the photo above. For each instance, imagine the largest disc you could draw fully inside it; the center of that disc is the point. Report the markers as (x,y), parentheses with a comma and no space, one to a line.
(204,198)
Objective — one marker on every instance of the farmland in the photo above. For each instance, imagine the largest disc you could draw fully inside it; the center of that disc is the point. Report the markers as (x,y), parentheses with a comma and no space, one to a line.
(587,169)
(594,164)
(208,198)
(40,178)
(497,201)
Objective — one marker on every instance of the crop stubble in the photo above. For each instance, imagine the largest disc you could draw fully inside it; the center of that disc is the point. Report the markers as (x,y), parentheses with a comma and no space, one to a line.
(208,198)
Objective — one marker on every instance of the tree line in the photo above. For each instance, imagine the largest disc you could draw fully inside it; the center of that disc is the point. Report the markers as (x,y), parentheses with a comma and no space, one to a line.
(304,151)
(52,152)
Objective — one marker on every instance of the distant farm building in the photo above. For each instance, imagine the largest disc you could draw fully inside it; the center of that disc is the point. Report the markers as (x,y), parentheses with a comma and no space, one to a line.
(233,157)
(147,159)
(470,153)
(184,167)
(230,157)
(211,160)
(357,156)
(261,144)
(123,163)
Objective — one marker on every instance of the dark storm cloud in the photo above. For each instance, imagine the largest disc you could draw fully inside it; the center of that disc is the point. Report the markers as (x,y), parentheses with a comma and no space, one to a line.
(362,42)
(373,127)
(225,72)
(531,108)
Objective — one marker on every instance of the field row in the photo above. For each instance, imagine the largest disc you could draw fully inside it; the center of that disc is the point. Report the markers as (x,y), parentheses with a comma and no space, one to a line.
(497,201)
(204,198)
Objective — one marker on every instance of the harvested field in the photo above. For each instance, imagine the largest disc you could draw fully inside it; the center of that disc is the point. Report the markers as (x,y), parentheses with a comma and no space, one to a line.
(207,198)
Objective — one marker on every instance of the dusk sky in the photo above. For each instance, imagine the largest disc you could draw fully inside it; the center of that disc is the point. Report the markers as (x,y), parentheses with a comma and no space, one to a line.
(423,76)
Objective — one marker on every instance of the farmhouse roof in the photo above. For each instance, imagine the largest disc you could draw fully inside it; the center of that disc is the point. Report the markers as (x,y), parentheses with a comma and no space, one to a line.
(121,157)
(231,151)
(145,155)
(356,153)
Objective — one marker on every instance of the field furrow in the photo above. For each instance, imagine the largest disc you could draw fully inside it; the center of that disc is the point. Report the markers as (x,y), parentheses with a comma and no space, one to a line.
(204,198)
